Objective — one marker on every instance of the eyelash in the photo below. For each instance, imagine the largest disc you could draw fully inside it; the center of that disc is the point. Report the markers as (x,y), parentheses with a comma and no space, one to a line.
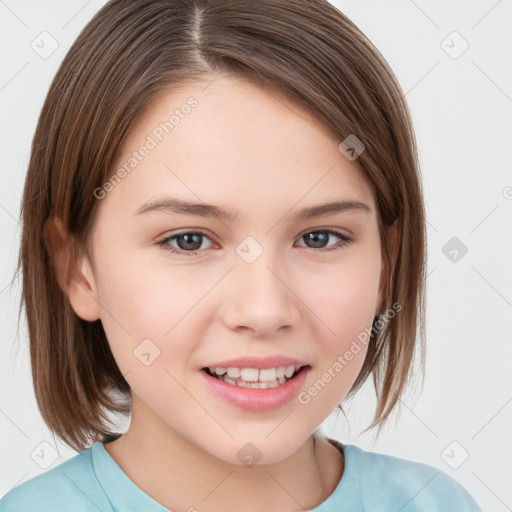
(164,243)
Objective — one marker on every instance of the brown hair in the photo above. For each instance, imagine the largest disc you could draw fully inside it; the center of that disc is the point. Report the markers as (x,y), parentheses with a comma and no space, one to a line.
(125,56)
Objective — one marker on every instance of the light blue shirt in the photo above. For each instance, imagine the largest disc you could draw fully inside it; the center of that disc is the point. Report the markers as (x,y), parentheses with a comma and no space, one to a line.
(92,481)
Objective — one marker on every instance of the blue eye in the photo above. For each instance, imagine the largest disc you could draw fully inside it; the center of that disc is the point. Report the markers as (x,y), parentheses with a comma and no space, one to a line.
(190,242)
(322,235)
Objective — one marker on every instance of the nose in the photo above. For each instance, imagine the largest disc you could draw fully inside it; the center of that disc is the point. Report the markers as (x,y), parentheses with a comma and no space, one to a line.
(261,297)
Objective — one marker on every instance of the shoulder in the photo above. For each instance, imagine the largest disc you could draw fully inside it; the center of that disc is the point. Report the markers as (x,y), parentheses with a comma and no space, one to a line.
(69,486)
(410,486)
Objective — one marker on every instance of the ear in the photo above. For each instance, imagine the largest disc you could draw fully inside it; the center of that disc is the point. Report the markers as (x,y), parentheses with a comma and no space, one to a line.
(73,270)
(393,240)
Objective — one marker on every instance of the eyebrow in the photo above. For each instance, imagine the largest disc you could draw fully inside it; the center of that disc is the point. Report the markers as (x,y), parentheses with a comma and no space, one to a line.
(181,207)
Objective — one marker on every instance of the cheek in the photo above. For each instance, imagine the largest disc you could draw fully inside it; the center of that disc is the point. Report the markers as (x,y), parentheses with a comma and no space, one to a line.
(344,297)
(151,302)
(343,303)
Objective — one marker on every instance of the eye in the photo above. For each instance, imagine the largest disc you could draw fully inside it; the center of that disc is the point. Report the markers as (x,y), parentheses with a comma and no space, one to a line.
(318,238)
(188,242)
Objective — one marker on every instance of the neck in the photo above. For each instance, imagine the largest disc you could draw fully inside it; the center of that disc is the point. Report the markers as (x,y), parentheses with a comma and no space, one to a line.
(181,476)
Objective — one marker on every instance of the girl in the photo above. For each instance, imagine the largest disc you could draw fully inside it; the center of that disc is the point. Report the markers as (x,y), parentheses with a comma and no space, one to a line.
(224,237)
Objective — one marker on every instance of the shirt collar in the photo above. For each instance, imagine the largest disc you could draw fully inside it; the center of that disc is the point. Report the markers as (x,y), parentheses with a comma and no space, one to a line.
(124,494)
(346,497)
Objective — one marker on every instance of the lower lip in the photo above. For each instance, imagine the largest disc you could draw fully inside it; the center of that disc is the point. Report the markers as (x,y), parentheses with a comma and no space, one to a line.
(252,399)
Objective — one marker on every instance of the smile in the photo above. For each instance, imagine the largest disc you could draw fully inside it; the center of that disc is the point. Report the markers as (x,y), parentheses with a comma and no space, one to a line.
(255,395)
(254,378)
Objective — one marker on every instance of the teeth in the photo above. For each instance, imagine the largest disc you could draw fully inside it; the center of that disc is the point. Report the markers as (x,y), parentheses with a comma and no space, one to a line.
(254,378)
(249,374)
(290,370)
(234,373)
(268,375)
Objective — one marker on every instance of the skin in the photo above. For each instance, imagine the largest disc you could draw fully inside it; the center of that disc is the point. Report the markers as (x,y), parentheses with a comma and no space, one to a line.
(247,151)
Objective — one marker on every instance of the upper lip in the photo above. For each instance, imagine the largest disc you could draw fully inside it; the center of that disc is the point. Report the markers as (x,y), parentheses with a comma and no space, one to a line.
(258,363)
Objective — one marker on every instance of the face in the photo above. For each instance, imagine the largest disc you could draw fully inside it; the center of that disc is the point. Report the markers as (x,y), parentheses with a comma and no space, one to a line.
(180,290)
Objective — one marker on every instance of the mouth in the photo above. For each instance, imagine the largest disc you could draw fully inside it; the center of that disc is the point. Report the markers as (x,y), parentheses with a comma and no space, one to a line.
(252,378)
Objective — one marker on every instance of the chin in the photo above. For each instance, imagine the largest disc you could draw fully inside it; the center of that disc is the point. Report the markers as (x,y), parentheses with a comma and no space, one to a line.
(249,453)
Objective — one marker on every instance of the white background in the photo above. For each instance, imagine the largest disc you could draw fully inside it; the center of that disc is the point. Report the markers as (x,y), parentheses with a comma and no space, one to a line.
(462,110)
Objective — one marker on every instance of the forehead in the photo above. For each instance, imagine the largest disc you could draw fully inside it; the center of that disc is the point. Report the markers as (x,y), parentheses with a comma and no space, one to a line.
(229,141)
